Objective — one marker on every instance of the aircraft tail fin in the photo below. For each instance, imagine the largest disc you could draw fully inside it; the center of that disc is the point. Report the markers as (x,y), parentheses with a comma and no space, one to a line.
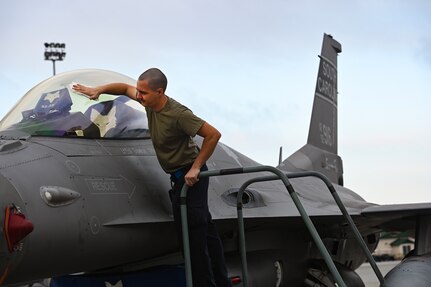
(320,152)
(323,125)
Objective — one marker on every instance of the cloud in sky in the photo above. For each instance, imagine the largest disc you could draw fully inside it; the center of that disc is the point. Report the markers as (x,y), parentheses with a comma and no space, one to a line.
(249,68)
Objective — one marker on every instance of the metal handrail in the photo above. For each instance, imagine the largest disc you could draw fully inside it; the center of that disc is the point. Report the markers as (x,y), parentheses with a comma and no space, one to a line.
(317,240)
(337,199)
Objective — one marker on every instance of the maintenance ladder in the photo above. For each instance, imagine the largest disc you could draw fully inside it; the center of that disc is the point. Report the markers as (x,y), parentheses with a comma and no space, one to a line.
(278,174)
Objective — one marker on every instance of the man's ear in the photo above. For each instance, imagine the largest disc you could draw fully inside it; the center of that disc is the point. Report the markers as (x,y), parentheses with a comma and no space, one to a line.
(160,91)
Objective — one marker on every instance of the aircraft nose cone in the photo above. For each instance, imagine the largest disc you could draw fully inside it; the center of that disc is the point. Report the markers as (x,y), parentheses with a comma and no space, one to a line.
(16,227)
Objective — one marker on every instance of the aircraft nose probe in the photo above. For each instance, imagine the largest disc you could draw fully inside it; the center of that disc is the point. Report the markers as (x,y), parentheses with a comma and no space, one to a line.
(16,227)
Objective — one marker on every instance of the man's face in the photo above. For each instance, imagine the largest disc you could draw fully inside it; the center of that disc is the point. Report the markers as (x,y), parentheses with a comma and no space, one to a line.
(146,96)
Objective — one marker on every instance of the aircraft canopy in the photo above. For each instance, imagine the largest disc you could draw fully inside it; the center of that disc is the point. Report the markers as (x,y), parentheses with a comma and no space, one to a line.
(52,108)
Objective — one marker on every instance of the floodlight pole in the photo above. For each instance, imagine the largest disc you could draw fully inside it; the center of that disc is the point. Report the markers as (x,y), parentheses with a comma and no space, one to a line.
(53,67)
(54,52)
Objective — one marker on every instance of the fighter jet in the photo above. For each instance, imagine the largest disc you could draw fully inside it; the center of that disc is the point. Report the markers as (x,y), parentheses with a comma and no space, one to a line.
(82,192)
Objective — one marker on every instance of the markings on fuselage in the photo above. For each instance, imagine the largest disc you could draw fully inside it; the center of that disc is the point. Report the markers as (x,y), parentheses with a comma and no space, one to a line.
(110,186)
(73,167)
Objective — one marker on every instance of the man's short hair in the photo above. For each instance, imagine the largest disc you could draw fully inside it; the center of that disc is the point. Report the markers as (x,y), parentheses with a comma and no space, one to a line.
(156,79)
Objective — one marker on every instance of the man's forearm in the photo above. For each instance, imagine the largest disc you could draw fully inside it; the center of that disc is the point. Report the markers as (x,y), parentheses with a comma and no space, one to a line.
(117,89)
(208,146)
(211,137)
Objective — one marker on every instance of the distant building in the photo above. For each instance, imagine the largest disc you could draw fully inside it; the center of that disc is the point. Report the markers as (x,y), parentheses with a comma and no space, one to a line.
(393,246)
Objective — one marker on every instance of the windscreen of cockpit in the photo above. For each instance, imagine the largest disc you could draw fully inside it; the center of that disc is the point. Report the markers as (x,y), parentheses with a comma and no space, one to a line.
(53,108)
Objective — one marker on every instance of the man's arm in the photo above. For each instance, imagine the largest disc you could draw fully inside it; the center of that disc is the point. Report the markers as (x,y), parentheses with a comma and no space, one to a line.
(113,89)
(211,137)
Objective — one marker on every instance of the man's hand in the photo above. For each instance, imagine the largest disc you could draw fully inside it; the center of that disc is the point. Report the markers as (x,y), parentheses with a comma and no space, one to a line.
(92,93)
(192,176)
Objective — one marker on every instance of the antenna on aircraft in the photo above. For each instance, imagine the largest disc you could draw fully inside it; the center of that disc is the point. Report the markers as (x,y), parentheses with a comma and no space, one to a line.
(55,52)
(280,155)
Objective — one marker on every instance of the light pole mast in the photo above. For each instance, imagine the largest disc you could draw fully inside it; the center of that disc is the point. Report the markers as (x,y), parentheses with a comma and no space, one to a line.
(54,52)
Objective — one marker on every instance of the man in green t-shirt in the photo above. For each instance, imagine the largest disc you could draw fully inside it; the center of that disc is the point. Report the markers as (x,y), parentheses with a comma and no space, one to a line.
(172,128)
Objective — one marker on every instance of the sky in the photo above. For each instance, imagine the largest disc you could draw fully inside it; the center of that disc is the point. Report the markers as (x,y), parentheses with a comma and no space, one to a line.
(249,68)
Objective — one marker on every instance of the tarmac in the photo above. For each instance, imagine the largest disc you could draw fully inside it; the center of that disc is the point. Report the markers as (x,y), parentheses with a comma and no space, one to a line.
(367,274)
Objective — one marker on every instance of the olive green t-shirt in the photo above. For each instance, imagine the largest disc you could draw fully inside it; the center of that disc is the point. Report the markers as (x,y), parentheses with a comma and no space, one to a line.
(172,130)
